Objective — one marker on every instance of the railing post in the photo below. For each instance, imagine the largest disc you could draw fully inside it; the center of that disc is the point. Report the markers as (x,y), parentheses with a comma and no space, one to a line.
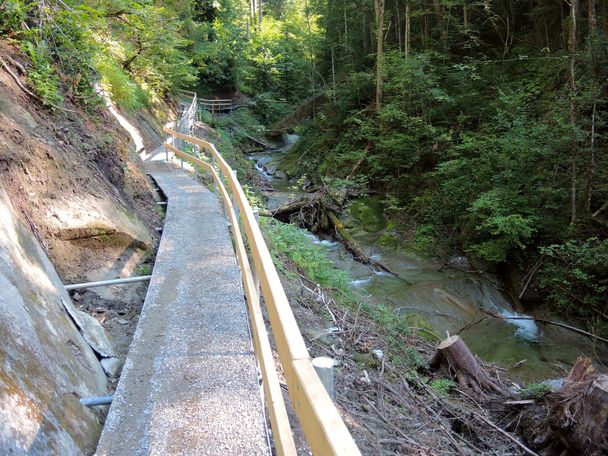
(324,366)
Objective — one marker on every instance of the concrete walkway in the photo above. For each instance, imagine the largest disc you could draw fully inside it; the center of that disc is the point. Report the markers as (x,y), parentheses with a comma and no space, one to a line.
(189,385)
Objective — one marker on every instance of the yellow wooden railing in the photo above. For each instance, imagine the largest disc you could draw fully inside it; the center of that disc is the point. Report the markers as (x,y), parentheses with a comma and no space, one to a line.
(323,427)
(216,104)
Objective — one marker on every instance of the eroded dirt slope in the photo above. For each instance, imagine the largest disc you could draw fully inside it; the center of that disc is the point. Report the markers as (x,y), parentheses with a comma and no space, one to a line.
(76,180)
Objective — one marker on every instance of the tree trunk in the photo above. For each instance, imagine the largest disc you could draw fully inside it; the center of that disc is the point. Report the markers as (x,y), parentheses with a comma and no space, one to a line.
(398,27)
(313,68)
(252,10)
(333,73)
(456,356)
(351,245)
(260,13)
(408,30)
(363,32)
(572,87)
(577,421)
(438,13)
(465,15)
(592,17)
(379,7)
(593,163)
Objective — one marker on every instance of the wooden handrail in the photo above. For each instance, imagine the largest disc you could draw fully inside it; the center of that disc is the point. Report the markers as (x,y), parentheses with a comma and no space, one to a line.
(323,427)
(216,100)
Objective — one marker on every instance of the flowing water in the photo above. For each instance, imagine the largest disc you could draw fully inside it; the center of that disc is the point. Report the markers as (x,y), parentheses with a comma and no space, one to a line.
(449,299)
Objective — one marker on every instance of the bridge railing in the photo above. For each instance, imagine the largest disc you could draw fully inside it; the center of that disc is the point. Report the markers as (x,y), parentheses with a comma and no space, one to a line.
(320,420)
(218,105)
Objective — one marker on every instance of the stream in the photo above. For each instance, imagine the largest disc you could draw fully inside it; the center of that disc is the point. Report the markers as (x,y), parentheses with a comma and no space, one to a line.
(449,298)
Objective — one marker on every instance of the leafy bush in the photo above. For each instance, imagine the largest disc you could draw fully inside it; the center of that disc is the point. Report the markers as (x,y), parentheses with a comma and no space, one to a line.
(443,386)
(123,90)
(206,117)
(246,120)
(424,238)
(12,14)
(42,74)
(575,276)
(269,108)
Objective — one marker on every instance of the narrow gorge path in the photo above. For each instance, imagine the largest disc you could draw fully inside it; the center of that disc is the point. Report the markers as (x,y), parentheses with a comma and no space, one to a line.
(190,382)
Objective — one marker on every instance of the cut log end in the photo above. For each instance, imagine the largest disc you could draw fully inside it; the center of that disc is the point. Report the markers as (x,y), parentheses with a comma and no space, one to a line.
(454,354)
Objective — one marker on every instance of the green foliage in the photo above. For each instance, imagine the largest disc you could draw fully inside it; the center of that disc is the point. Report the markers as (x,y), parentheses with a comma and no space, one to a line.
(425,236)
(409,359)
(144,269)
(42,74)
(137,49)
(507,231)
(12,15)
(246,120)
(443,386)
(207,117)
(535,391)
(309,258)
(123,90)
(270,108)
(575,275)
(312,262)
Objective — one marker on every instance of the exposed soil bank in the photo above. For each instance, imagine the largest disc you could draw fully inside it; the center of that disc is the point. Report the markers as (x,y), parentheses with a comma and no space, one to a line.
(77,183)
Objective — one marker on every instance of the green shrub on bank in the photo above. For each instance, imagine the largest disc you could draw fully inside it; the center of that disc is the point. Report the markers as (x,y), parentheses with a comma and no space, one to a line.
(308,257)
(574,275)
(313,263)
(42,75)
(12,15)
(122,89)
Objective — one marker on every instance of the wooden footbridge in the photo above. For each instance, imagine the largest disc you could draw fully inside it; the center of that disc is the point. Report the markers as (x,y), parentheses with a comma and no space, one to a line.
(212,105)
(190,383)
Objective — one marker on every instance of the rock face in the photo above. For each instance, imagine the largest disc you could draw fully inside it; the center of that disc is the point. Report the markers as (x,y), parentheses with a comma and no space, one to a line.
(46,366)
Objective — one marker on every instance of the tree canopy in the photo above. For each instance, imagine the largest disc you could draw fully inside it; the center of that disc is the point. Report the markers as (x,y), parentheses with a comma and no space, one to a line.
(483,122)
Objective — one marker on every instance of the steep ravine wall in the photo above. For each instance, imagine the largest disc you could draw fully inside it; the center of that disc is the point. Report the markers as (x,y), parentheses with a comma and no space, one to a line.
(46,365)
(75,206)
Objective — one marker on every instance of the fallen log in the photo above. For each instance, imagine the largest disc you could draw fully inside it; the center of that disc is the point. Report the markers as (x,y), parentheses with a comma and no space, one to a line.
(284,212)
(351,245)
(454,354)
(577,421)
(251,138)
(313,214)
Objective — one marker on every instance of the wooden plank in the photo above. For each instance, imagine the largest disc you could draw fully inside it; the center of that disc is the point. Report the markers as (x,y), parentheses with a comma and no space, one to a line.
(219,100)
(178,153)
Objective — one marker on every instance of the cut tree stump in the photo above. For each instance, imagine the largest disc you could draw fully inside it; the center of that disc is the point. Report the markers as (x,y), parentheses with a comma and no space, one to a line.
(577,421)
(454,354)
